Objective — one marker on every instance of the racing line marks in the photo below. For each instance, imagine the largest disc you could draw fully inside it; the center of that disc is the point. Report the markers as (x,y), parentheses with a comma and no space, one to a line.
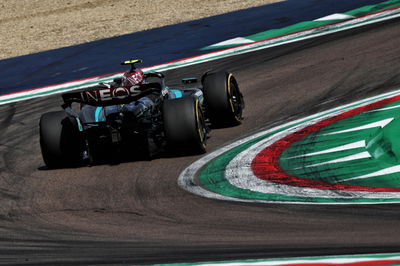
(239,175)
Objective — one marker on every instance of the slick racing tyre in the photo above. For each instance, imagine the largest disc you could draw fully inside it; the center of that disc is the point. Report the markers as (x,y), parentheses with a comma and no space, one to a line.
(222,99)
(60,140)
(184,125)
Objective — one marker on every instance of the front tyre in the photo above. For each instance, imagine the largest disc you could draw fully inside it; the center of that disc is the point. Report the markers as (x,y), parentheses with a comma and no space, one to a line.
(222,98)
(60,140)
(184,125)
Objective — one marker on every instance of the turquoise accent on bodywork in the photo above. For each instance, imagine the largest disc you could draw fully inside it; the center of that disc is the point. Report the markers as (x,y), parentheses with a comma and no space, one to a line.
(97,114)
(177,93)
(189,80)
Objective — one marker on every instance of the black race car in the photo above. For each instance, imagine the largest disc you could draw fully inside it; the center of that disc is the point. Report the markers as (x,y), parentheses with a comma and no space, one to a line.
(178,120)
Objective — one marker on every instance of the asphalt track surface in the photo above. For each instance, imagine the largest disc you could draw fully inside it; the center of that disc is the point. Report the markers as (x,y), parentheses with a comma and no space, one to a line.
(134,213)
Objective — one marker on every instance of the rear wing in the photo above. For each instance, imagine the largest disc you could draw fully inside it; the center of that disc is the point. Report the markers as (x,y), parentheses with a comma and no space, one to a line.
(102,95)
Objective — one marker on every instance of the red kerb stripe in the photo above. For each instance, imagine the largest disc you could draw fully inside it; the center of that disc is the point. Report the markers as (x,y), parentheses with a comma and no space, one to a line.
(266,164)
(371,263)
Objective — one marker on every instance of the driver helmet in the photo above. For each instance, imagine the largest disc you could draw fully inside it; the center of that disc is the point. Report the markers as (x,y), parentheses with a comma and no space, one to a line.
(135,78)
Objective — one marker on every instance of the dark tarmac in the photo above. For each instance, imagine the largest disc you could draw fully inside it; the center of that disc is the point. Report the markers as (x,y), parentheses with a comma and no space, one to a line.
(135,213)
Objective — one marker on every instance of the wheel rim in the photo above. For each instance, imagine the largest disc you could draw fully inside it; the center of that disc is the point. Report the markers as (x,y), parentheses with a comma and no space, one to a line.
(200,125)
(234,98)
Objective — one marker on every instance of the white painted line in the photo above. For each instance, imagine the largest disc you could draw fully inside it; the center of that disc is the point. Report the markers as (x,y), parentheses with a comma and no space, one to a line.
(350,146)
(381,123)
(358,156)
(384,109)
(386,171)
(235,41)
(336,16)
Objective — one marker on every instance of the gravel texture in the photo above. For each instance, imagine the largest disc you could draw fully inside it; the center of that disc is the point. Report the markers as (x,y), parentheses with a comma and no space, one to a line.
(29,26)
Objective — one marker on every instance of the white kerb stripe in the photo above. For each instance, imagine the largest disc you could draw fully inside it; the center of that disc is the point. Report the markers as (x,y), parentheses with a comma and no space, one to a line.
(361,155)
(384,109)
(381,123)
(234,41)
(386,171)
(336,16)
(350,146)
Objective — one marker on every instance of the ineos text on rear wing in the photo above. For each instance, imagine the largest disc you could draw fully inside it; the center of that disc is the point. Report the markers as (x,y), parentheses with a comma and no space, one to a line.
(103,95)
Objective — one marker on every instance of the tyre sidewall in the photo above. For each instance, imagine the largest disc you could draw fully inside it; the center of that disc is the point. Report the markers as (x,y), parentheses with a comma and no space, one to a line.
(184,125)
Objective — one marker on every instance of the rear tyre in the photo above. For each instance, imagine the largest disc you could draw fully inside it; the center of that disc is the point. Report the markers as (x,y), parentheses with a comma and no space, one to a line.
(184,125)
(60,140)
(222,98)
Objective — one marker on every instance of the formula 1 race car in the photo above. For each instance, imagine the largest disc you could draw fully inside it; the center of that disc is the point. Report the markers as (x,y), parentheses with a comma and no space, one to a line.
(121,118)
